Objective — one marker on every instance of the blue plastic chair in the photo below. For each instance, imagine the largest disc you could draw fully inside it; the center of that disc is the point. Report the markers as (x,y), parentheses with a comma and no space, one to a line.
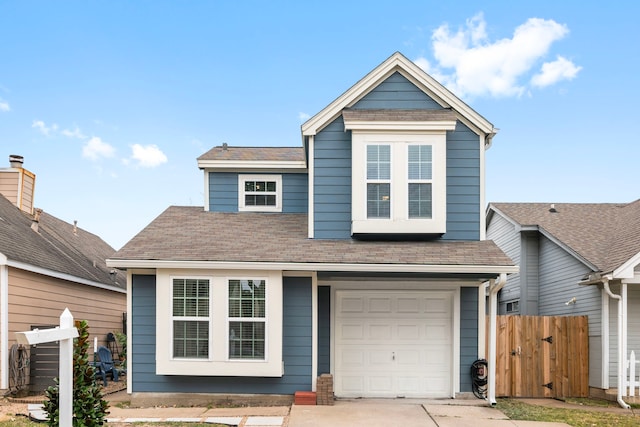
(106,365)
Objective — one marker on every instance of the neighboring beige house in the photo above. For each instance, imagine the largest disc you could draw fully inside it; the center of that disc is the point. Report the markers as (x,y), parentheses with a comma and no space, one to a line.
(47,265)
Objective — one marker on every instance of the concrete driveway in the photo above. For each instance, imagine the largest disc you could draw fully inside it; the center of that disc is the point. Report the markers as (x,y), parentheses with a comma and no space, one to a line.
(405,413)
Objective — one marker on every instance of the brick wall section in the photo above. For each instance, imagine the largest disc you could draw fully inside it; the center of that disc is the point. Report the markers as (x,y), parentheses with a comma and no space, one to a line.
(324,389)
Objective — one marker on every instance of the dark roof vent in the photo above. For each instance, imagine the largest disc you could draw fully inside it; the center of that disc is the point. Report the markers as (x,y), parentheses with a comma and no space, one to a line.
(552,209)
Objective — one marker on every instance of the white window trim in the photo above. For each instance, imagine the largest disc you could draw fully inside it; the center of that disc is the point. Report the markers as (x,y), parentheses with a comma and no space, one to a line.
(242,178)
(218,363)
(399,222)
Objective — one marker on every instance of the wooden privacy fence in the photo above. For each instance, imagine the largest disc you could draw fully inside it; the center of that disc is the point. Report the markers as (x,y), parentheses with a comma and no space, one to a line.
(542,356)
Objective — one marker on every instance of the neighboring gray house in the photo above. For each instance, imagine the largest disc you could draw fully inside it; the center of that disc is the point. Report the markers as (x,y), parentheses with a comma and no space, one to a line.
(360,253)
(569,255)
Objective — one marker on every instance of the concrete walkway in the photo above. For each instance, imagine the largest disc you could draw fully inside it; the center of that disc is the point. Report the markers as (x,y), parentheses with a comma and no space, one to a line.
(403,413)
(344,413)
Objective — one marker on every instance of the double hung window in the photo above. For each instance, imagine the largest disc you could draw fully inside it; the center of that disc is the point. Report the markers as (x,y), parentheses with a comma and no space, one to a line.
(191,319)
(247,316)
(420,174)
(378,181)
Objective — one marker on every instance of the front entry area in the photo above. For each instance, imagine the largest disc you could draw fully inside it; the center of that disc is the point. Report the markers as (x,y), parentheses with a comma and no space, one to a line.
(393,343)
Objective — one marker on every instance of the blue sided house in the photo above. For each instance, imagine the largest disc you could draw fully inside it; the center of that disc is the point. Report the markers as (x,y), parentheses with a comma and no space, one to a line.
(360,253)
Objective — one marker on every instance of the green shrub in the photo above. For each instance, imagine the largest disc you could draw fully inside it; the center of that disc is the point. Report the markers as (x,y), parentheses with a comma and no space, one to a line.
(89,407)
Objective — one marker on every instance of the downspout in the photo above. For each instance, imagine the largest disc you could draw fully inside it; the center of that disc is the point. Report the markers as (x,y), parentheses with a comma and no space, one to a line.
(494,288)
(621,343)
(4,322)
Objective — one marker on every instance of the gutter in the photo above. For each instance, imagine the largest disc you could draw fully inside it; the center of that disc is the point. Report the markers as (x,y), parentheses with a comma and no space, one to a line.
(622,339)
(494,288)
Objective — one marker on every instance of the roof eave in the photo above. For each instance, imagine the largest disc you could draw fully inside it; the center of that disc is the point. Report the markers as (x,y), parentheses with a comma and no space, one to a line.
(372,268)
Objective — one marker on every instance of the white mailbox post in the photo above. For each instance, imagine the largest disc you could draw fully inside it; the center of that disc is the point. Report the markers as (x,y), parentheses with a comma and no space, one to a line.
(65,335)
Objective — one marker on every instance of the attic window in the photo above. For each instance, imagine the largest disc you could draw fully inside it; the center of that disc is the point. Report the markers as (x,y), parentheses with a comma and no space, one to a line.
(260,193)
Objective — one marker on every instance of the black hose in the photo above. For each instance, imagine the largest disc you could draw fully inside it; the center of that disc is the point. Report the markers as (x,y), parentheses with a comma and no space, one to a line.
(479,378)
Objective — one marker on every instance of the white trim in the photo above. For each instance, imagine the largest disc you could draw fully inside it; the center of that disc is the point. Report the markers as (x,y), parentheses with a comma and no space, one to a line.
(46,272)
(387,126)
(627,270)
(242,178)
(314,331)
(4,322)
(218,362)
(399,221)
(396,62)
(252,164)
(483,218)
(310,191)
(130,349)
(455,371)
(482,321)
(604,300)
(207,191)
(309,266)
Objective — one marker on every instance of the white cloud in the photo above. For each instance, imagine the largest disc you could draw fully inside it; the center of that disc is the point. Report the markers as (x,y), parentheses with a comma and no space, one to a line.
(75,133)
(4,106)
(43,128)
(469,64)
(553,72)
(95,148)
(303,117)
(148,156)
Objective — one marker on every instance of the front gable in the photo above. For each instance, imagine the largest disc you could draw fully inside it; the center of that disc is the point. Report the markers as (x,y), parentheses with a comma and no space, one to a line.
(435,144)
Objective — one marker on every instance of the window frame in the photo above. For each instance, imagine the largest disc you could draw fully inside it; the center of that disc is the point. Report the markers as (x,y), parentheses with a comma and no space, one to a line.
(242,319)
(195,318)
(399,221)
(243,178)
(218,362)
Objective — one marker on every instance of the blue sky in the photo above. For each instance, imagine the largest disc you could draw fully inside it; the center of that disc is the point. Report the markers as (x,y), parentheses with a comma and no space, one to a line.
(110,103)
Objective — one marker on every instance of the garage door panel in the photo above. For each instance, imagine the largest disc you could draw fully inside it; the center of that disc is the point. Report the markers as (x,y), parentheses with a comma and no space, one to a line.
(399,344)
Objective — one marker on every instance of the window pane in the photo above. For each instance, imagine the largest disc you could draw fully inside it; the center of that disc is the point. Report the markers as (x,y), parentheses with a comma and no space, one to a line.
(190,297)
(247,298)
(249,186)
(271,186)
(420,162)
(378,200)
(420,205)
(190,339)
(246,340)
(378,162)
(261,186)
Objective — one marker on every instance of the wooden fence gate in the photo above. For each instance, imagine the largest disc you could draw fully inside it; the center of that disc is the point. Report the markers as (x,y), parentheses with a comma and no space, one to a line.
(542,356)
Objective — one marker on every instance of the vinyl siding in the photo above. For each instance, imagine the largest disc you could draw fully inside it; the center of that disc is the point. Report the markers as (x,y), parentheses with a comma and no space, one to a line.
(463,185)
(504,234)
(529,274)
(396,92)
(35,299)
(468,335)
(296,347)
(223,192)
(332,182)
(560,273)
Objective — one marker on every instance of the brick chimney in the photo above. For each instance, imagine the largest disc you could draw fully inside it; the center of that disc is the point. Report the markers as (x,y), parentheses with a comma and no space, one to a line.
(18,184)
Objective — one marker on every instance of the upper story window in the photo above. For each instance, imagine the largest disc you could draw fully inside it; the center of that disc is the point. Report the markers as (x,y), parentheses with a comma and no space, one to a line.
(399,182)
(260,193)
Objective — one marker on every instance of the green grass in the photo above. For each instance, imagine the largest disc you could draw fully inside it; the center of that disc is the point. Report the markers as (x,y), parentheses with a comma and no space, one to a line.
(583,417)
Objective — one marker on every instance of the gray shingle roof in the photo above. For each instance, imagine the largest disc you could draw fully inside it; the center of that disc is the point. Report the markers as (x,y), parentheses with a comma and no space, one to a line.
(604,234)
(55,246)
(295,154)
(399,115)
(192,234)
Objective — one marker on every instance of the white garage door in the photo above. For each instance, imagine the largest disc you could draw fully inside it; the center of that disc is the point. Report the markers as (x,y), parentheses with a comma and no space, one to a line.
(393,344)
